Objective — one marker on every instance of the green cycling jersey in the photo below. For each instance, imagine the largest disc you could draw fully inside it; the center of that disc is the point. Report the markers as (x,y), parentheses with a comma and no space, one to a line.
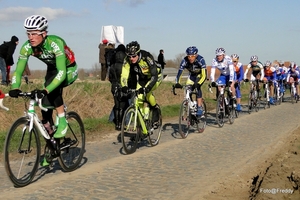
(55,53)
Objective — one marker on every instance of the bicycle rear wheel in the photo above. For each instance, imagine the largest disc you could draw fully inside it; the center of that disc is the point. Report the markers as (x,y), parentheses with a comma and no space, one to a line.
(130,131)
(201,123)
(72,146)
(184,119)
(155,131)
(22,150)
(220,111)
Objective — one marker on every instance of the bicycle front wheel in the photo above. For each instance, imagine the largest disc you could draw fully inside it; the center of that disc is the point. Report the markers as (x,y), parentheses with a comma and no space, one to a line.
(22,150)
(72,146)
(220,111)
(130,131)
(155,131)
(250,102)
(184,119)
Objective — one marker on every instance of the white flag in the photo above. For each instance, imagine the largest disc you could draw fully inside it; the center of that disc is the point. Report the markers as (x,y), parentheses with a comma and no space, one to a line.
(114,34)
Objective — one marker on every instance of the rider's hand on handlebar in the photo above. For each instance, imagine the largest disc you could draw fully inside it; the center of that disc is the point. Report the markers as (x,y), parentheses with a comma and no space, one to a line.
(14,93)
(41,93)
(143,91)
(177,85)
(124,89)
(246,80)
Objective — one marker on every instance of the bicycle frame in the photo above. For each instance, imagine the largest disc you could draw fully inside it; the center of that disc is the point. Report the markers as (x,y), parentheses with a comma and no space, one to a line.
(138,103)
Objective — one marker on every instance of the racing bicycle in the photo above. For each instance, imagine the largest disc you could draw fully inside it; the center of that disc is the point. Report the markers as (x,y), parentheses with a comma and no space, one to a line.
(294,94)
(188,110)
(137,123)
(253,97)
(22,148)
(225,106)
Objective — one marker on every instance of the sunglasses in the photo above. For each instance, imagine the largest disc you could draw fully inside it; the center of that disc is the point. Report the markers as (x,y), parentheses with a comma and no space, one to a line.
(133,56)
(191,56)
(34,33)
(235,61)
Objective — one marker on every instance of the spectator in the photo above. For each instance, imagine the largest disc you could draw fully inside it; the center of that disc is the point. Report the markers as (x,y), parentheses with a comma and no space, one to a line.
(108,49)
(161,60)
(7,50)
(102,58)
(26,73)
(120,100)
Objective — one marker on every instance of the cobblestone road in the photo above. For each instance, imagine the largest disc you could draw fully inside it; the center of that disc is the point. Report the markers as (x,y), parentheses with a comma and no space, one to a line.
(175,169)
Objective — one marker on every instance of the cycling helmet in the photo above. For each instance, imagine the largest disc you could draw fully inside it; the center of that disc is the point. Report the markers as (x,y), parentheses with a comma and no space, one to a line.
(191,50)
(220,51)
(293,65)
(132,48)
(36,22)
(280,62)
(268,63)
(254,58)
(235,56)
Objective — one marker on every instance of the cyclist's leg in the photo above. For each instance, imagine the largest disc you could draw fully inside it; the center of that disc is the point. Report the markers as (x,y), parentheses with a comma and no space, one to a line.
(153,105)
(271,89)
(238,96)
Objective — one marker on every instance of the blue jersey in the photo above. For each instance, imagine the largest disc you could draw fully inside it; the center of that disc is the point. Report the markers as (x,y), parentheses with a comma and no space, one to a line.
(280,74)
(194,68)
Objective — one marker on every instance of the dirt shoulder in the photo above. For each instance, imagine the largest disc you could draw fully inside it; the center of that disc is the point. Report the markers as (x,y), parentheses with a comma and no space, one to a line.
(275,177)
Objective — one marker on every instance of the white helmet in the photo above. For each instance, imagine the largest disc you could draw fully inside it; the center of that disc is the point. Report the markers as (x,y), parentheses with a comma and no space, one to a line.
(36,22)
(253,58)
(268,63)
(220,51)
(235,56)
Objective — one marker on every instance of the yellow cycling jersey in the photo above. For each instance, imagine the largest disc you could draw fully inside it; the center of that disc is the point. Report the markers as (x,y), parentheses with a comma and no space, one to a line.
(146,69)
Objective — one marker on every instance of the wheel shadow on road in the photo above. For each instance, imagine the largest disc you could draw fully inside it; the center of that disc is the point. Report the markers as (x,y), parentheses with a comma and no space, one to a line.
(173,129)
(54,168)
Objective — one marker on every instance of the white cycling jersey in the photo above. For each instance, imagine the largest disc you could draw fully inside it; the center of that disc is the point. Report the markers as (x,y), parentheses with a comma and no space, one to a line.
(225,67)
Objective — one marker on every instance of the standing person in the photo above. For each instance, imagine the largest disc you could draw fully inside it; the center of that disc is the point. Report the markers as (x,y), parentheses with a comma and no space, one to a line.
(102,58)
(239,71)
(109,50)
(196,66)
(141,63)
(120,100)
(26,73)
(7,50)
(161,60)
(61,70)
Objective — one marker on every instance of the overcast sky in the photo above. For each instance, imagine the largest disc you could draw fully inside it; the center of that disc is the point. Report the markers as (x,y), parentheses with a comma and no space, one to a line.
(268,29)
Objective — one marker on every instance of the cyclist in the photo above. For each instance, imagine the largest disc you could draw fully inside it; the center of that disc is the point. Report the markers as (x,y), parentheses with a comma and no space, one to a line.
(140,63)
(61,69)
(239,71)
(269,78)
(196,66)
(227,76)
(280,77)
(293,75)
(257,74)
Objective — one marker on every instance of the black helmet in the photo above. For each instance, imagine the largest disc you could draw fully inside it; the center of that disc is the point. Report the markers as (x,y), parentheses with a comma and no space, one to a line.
(132,48)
